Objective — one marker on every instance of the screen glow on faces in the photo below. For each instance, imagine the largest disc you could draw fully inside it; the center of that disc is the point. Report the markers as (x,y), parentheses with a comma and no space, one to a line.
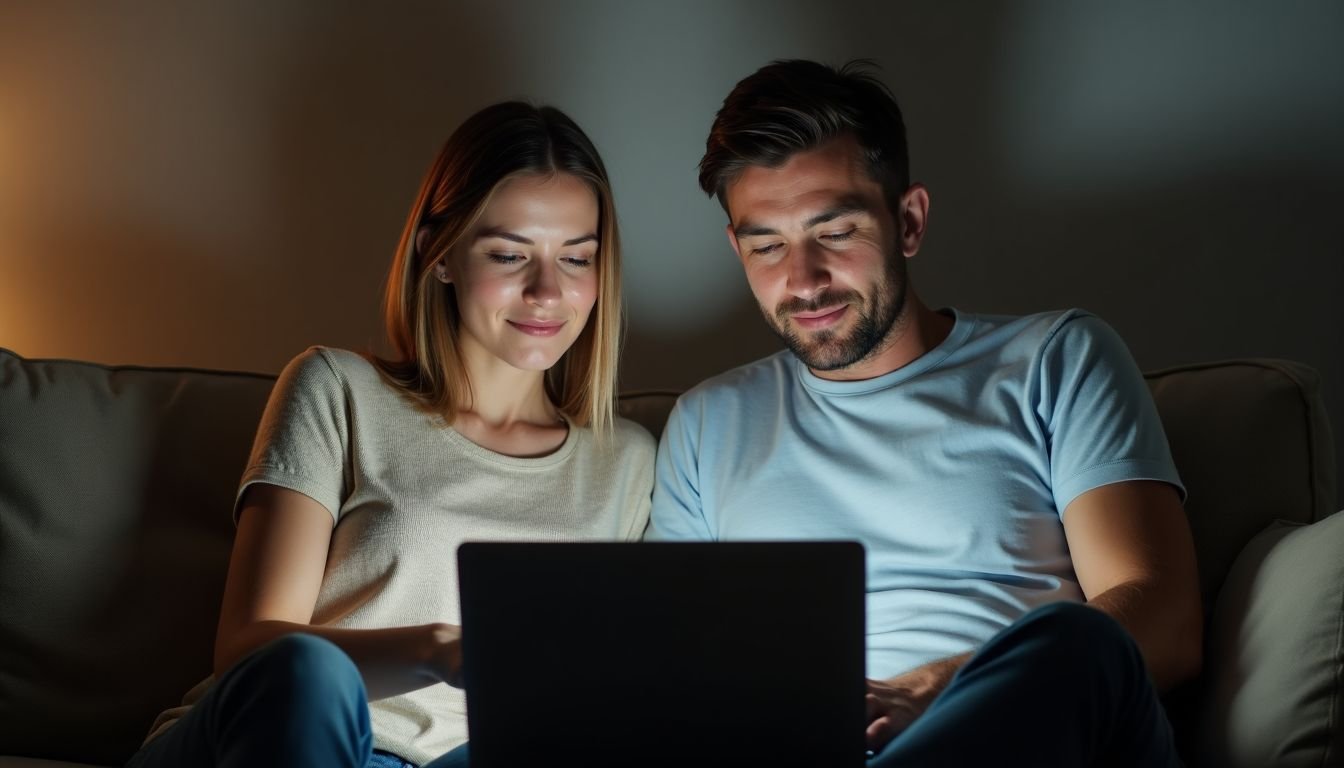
(526,274)
(820,250)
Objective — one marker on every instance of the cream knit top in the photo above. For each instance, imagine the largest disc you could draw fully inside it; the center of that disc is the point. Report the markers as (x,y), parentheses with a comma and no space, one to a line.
(405,490)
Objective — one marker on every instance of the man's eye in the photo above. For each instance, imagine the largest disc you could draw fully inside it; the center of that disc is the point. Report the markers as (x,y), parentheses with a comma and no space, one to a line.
(838,236)
(505,258)
(764,249)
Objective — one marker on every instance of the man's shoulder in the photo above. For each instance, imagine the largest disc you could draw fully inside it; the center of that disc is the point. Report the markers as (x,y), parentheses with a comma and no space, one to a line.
(1040,327)
(1031,335)
(745,381)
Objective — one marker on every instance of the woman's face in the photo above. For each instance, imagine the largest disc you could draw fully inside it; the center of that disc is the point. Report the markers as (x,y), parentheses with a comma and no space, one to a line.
(526,274)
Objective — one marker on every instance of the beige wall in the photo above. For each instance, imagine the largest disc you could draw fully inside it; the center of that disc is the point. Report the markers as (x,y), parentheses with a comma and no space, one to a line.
(221,184)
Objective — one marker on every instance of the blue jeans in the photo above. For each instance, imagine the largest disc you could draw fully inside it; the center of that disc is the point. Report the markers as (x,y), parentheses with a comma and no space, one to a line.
(454,759)
(1063,686)
(297,701)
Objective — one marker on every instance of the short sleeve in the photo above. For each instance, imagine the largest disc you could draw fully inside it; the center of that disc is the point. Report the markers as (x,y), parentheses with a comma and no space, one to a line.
(1097,412)
(677,514)
(304,431)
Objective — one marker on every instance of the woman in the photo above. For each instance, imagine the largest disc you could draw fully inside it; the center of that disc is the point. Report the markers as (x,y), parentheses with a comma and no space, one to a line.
(337,641)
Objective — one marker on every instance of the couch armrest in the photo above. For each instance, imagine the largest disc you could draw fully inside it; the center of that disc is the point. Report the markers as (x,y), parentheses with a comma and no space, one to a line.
(1272,670)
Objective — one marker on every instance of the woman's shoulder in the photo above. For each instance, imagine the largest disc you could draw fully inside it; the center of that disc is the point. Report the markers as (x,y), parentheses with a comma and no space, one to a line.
(351,369)
(630,437)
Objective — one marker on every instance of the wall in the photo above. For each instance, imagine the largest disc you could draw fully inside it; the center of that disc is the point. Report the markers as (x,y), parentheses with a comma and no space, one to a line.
(222,185)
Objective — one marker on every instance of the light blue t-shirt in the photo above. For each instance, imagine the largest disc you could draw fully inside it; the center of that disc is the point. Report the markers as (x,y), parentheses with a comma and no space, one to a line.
(954,471)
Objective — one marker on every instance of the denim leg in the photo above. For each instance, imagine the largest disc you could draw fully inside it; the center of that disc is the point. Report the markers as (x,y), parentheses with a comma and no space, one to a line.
(381,759)
(1065,685)
(297,701)
(457,758)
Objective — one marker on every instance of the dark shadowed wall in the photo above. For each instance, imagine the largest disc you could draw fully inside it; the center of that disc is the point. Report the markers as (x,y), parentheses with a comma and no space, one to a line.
(222,184)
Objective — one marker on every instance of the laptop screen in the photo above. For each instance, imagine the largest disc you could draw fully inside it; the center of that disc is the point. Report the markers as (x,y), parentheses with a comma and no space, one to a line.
(650,654)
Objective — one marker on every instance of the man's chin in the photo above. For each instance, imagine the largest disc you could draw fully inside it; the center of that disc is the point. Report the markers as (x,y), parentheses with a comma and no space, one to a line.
(823,354)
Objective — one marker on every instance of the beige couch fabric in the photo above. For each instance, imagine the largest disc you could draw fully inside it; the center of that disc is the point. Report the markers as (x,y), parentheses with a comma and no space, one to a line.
(1252,442)
(116,486)
(1271,702)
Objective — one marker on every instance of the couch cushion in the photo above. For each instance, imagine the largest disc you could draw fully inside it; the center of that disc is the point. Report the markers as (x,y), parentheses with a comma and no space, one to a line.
(116,489)
(1251,441)
(1272,669)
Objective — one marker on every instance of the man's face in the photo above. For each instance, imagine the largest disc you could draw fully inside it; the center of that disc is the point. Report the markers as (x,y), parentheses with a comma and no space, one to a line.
(822,254)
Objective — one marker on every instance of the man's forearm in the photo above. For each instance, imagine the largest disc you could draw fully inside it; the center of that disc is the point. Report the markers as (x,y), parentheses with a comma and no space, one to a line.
(1169,638)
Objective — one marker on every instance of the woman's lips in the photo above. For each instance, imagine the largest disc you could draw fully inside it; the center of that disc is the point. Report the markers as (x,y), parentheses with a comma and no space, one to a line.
(538,327)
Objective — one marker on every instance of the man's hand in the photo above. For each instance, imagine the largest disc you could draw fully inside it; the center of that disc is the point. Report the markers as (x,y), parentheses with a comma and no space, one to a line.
(895,703)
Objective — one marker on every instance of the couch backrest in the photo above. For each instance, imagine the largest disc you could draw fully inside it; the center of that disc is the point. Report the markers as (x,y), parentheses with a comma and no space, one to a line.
(1251,440)
(116,490)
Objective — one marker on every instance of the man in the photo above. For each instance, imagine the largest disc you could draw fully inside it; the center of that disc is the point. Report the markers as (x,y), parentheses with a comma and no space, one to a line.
(1031,576)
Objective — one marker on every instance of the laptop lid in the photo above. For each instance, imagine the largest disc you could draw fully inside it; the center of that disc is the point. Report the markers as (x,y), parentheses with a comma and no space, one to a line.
(664,654)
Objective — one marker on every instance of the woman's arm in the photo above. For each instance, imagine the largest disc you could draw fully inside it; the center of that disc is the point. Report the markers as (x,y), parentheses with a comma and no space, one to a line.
(279,558)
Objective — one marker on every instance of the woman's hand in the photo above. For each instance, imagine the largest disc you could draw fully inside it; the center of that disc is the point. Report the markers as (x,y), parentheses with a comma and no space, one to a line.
(444,660)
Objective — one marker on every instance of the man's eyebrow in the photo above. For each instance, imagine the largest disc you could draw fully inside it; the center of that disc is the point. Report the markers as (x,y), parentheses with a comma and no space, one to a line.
(506,235)
(747,229)
(844,208)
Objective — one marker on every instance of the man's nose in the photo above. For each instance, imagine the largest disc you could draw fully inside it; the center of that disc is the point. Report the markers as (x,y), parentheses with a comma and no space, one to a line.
(809,274)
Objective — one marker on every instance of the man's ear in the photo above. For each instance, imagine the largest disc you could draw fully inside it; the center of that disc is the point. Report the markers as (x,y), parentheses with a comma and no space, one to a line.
(914,218)
(732,240)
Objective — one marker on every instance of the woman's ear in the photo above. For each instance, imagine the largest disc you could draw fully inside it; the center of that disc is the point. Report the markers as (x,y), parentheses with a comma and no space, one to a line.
(440,269)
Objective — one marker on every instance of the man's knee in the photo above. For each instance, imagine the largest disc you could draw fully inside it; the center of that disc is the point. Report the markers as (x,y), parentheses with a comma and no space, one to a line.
(1075,630)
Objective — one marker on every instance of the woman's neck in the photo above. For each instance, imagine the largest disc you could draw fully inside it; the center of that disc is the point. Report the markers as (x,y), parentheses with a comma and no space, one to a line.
(508,411)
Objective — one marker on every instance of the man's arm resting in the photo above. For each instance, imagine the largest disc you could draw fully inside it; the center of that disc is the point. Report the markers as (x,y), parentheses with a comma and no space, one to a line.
(1135,559)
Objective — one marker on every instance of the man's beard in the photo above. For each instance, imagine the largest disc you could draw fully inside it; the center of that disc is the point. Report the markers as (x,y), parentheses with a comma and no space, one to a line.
(827,351)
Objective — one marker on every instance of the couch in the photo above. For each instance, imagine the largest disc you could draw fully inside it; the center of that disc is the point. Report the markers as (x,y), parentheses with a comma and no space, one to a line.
(116,485)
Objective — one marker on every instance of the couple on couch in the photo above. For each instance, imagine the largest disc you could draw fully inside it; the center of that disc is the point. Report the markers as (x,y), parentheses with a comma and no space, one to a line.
(1031,578)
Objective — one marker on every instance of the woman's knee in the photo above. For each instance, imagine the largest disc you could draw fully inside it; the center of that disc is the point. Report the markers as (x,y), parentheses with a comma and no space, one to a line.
(301,665)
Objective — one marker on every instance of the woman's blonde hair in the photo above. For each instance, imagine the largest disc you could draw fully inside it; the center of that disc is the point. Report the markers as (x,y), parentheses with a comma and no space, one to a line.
(498,143)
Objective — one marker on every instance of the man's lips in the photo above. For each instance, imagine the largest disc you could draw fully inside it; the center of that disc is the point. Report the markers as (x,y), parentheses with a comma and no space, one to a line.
(538,327)
(821,318)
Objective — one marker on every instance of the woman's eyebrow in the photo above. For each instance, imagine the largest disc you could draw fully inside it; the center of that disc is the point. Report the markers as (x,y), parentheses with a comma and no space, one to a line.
(506,235)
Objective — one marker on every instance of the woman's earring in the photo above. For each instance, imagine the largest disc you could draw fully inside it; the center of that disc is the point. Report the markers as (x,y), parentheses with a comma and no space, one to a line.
(441,272)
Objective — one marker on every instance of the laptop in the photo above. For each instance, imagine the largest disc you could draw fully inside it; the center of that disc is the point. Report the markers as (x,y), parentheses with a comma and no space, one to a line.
(644,655)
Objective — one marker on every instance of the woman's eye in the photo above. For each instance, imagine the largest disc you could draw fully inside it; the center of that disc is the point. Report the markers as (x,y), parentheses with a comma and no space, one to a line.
(838,236)
(505,258)
(578,261)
